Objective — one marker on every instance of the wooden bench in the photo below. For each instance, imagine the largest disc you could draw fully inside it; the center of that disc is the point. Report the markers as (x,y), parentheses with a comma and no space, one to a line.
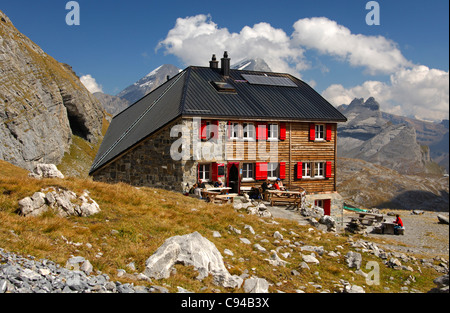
(295,201)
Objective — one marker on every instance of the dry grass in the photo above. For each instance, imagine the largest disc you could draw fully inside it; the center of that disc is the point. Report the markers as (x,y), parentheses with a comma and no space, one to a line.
(134,222)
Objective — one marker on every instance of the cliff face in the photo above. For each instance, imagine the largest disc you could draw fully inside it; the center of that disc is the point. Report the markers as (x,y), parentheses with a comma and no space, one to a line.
(42,103)
(368,136)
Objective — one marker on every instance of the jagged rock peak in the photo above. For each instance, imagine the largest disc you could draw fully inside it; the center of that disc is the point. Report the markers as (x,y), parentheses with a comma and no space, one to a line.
(370,104)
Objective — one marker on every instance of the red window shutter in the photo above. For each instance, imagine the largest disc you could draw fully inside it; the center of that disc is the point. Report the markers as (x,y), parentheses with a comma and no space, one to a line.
(214,171)
(261,171)
(312,132)
(282,170)
(328,134)
(327,207)
(202,129)
(299,170)
(261,131)
(215,129)
(328,170)
(282,131)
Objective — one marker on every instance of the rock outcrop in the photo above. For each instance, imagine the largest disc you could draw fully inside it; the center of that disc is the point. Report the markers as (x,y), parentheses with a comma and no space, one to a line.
(63,202)
(191,250)
(42,103)
(368,136)
(45,171)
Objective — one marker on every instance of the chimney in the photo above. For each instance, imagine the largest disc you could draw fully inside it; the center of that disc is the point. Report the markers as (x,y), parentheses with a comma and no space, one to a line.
(213,63)
(225,65)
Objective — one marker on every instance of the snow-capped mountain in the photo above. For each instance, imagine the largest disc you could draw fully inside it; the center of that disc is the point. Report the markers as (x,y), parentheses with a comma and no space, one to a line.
(257,64)
(148,83)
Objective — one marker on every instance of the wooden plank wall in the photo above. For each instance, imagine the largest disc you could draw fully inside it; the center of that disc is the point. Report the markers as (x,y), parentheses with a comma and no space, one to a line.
(296,148)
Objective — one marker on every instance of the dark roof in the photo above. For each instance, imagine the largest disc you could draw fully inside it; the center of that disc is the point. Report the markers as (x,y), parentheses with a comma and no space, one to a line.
(193,93)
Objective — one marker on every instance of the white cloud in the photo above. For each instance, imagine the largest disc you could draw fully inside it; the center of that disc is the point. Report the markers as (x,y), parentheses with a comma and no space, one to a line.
(90,83)
(412,90)
(194,39)
(417,92)
(376,53)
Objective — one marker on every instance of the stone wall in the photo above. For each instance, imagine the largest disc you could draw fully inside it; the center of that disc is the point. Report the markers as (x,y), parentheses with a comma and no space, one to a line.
(148,164)
(337,203)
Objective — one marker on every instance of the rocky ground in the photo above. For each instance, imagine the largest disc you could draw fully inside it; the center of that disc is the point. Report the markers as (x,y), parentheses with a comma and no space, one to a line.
(424,235)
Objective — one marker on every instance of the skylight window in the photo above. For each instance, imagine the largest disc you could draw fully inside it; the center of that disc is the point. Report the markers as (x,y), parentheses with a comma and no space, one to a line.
(223,87)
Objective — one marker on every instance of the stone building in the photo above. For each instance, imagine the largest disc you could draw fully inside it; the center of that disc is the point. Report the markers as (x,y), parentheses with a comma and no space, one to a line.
(242,127)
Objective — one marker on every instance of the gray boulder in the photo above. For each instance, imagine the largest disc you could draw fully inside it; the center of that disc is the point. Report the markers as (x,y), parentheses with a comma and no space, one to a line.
(191,250)
(63,202)
(443,219)
(353,260)
(256,285)
(45,171)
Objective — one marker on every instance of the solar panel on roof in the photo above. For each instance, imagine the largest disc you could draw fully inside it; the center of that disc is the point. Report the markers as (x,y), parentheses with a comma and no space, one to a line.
(269,80)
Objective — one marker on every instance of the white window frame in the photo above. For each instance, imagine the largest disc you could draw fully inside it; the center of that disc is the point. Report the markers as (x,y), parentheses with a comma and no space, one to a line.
(204,172)
(320,131)
(272,168)
(249,131)
(319,170)
(318,203)
(274,132)
(235,130)
(306,169)
(248,172)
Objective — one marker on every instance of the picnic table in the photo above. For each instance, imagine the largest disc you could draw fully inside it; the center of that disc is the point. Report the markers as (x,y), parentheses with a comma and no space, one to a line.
(218,197)
(219,189)
(367,218)
(285,196)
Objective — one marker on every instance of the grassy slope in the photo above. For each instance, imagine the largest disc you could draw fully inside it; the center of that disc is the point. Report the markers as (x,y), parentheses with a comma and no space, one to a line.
(144,218)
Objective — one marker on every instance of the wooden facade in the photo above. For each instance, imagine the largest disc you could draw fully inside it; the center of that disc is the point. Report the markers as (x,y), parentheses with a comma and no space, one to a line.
(292,149)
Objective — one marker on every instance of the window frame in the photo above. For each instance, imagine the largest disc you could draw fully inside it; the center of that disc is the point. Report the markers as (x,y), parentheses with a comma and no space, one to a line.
(319,169)
(270,134)
(235,130)
(271,170)
(248,168)
(319,132)
(202,171)
(307,169)
(249,128)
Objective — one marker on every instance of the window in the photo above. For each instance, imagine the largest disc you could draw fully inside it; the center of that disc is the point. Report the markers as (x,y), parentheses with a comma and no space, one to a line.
(318,203)
(319,169)
(272,170)
(249,131)
(320,131)
(204,171)
(273,131)
(247,171)
(306,170)
(234,130)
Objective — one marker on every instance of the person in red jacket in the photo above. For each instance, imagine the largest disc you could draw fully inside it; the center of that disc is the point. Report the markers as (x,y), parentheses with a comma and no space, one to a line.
(399,224)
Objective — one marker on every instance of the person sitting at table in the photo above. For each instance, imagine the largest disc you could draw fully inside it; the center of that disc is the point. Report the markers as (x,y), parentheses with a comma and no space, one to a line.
(218,184)
(198,191)
(280,184)
(265,185)
(192,190)
(398,224)
(276,185)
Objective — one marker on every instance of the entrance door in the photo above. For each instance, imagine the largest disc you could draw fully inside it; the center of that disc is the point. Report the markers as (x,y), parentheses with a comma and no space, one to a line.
(233,177)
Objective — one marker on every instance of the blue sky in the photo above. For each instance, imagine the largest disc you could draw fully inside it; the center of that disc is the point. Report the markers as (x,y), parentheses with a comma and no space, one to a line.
(116,43)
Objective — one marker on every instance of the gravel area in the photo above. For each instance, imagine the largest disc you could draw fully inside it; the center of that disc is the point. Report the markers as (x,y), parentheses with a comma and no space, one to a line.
(424,235)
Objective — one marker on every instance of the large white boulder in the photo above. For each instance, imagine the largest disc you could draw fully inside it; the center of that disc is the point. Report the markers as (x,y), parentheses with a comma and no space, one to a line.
(191,250)
(45,171)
